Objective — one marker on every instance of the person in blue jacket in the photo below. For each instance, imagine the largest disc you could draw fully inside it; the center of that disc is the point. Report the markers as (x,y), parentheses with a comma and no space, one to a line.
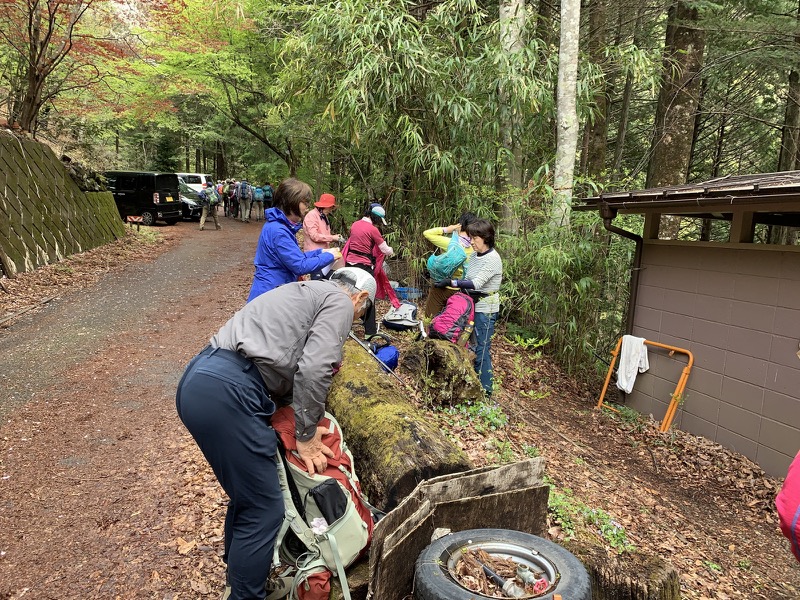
(279,259)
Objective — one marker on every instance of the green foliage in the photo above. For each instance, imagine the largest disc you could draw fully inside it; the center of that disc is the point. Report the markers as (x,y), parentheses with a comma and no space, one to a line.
(712,566)
(609,529)
(569,512)
(482,416)
(562,507)
(569,287)
(531,451)
(501,452)
(519,337)
(623,413)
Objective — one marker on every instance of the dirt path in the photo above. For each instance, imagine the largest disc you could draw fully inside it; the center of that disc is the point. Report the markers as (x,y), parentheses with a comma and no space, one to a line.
(90,475)
(104,495)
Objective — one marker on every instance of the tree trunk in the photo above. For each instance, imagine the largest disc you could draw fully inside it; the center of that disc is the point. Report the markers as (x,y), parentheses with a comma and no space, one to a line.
(512,25)
(567,112)
(627,93)
(790,134)
(678,98)
(789,155)
(219,161)
(444,371)
(597,128)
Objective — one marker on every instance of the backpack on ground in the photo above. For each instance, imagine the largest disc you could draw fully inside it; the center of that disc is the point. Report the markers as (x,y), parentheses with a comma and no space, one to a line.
(401,318)
(328,522)
(442,266)
(382,347)
(456,318)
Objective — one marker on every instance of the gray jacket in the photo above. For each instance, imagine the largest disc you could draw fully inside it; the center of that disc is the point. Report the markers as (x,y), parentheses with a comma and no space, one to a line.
(294,334)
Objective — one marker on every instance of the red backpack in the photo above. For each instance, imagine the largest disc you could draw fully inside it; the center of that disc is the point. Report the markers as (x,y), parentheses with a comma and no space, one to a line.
(457,317)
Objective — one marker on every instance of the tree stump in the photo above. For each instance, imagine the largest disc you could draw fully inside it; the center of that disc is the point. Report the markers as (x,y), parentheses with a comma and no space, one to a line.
(395,445)
(626,577)
(443,371)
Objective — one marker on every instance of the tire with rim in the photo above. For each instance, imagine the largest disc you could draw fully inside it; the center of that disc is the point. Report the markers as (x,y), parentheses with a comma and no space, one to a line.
(148,218)
(433,579)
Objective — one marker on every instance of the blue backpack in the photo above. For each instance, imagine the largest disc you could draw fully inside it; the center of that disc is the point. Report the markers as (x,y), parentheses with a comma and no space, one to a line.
(442,266)
(259,194)
(382,347)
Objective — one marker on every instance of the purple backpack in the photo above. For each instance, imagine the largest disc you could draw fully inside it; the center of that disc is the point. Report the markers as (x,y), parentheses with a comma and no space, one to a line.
(457,316)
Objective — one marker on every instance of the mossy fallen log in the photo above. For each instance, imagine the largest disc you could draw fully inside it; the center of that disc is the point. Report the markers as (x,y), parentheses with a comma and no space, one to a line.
(443,371)
(395,445)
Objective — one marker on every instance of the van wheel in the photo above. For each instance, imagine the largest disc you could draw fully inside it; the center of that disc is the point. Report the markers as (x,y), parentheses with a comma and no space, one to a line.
(433,575)
(148,218)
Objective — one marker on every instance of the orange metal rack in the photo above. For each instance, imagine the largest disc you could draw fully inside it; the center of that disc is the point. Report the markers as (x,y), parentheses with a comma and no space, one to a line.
(677,395)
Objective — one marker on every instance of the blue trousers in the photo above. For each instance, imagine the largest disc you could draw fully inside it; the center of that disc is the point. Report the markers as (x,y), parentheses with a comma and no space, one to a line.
(224,404)
(484,330)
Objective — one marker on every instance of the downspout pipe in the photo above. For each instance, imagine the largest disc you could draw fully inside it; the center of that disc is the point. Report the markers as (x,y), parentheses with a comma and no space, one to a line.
(608,214)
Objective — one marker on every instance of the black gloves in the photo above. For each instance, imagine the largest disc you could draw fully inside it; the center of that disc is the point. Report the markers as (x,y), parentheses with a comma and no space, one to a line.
(442,283)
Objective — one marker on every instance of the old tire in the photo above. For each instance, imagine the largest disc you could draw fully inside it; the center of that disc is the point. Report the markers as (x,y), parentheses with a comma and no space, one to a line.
(148,218)
(433,581)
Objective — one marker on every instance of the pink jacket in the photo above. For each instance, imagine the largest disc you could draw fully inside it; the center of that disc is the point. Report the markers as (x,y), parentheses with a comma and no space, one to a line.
(788,505)
(316,232)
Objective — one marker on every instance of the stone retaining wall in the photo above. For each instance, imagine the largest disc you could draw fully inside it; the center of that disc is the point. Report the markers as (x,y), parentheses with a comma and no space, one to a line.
(44,216)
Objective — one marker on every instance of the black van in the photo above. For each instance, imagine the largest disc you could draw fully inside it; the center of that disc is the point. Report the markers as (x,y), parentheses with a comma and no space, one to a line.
(152,196)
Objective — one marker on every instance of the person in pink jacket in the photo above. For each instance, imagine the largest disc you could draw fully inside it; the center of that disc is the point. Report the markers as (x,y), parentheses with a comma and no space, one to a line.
(317,229)
(788,505)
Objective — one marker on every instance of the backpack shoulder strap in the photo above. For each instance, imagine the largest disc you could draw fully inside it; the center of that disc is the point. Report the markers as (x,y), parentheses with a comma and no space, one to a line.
(292,520)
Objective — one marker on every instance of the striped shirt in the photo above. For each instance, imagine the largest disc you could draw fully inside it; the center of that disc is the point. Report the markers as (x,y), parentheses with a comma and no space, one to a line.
(486,273)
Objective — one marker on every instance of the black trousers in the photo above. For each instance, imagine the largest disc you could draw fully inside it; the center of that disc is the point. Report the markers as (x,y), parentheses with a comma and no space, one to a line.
(224,404)
(370,324)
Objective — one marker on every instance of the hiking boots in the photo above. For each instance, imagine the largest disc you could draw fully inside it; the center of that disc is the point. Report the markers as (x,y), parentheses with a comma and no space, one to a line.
(276,588)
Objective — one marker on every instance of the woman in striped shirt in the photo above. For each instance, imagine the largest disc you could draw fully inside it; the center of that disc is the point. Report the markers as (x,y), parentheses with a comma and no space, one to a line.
(484,274)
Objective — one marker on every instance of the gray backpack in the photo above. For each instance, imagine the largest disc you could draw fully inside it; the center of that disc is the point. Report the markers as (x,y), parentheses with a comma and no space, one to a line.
(328,523)
(401,318)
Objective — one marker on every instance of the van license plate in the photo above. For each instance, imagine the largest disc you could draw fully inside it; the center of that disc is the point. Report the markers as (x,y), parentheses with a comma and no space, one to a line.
(169,198)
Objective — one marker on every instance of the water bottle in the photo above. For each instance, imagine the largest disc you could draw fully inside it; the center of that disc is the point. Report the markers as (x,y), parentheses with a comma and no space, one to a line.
(463,338)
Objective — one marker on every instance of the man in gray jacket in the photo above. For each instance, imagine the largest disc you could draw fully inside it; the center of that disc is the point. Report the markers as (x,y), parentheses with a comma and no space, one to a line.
(285,343)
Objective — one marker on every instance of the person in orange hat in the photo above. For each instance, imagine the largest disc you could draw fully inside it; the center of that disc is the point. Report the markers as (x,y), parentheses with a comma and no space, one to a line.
(317,229)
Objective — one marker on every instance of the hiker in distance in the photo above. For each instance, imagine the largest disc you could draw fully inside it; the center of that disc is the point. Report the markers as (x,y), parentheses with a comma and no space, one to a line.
(283,345)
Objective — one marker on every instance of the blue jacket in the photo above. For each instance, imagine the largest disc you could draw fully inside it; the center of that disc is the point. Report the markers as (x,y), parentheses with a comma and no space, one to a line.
(279,259)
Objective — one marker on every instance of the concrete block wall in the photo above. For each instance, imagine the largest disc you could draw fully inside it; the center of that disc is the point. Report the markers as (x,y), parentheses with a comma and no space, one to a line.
(44,216)
(738,311)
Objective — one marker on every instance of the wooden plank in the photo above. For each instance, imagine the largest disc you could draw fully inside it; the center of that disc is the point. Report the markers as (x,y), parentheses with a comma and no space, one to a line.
(465,492)
(494,511)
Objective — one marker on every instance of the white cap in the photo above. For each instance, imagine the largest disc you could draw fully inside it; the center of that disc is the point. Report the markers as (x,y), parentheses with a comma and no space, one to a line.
(377,210)
(359,279)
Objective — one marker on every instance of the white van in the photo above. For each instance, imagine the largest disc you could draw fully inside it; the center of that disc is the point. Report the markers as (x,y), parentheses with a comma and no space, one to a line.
(196,181)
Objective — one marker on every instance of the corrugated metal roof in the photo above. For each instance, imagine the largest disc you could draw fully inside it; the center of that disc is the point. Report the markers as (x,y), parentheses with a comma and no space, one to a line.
(781,189)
